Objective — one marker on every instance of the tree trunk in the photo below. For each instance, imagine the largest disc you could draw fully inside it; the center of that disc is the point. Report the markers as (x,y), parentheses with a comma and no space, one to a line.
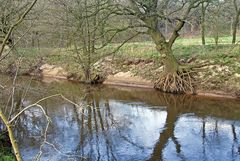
(175,78)
(33,39)
(216,31)
(234,29)
(216,37)
(163,47)
(87,74)
(171,64)
(203,25)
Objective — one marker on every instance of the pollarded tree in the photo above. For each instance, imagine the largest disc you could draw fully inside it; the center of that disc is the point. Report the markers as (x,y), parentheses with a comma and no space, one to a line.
(150,13)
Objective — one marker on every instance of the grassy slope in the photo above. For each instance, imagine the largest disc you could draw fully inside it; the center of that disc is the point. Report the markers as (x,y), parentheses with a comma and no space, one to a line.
(221,76)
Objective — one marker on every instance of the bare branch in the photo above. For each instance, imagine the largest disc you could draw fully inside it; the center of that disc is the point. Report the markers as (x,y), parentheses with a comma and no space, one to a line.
(21,18)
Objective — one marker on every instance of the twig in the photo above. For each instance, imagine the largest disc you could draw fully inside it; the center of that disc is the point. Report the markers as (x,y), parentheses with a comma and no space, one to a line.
(9,51)
(38,156)
(20,19)
(1,86)
(43,99)
(36,104)
(13,89)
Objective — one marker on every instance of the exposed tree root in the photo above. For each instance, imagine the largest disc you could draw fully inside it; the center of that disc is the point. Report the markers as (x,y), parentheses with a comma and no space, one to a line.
(181,81)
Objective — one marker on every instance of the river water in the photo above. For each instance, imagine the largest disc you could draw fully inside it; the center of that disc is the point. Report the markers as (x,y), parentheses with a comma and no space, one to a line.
(125,124)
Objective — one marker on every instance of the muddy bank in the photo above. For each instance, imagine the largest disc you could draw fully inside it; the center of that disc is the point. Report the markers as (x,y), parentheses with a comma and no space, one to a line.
(128,79)
(215,80)
(218,94)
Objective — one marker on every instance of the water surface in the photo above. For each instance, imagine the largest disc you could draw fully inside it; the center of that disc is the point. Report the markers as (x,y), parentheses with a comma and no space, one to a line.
(126,124)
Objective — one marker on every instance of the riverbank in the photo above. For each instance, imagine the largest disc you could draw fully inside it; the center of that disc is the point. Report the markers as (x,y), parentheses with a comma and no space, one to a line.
(214,79)
(136,65)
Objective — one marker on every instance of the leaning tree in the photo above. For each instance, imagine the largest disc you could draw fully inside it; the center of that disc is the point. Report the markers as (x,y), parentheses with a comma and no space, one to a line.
(150,14)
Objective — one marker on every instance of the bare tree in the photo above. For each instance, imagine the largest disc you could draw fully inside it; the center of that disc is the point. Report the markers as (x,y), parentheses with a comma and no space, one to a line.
(176,78)
(7,30)
(90,32)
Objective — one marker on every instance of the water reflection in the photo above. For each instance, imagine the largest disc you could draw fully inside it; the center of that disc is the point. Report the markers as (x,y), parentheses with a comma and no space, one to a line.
(131,124)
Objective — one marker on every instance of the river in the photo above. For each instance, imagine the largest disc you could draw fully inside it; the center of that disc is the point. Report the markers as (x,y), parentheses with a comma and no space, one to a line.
(125,124)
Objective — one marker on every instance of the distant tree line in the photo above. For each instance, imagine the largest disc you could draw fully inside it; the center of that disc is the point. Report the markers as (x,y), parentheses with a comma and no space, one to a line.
(212,18)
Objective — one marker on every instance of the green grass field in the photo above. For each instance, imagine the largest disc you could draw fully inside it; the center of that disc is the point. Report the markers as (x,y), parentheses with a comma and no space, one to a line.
(183,48)
(209,41)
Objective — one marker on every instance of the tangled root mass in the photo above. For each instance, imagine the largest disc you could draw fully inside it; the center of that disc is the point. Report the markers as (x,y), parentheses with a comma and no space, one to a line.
(181,81)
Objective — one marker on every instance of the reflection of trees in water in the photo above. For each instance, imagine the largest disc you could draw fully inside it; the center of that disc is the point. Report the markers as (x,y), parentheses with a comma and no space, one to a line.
(173,111)
(30,126)
(92,125)
(177,106)
(96,120)
(30,123)
(235,140)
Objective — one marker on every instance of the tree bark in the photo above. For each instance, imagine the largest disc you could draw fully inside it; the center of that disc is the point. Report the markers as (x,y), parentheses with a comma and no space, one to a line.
(216,38)
(163,47)
(234,29)
(87,74)
(203,24)
(175,78)
(236,21)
